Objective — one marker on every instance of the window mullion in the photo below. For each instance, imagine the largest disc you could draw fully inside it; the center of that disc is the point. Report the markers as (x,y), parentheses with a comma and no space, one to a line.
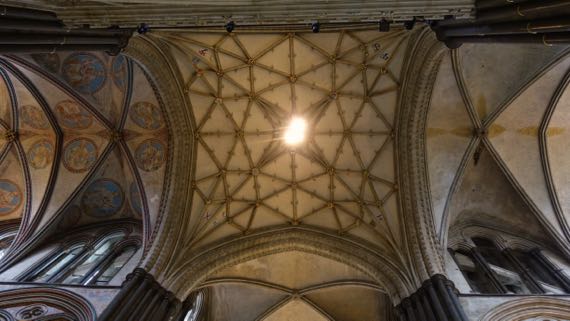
(528,277)
(60,275)
(484,265)
(550,267)
(108,258)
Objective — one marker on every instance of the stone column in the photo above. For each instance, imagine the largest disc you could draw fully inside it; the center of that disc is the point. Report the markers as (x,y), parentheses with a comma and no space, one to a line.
(141,298)
(436,300)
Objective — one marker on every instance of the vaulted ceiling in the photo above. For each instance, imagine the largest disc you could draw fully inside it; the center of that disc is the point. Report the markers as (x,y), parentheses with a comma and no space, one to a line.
(83,141)
(294,286)
(245,88)
(504,104)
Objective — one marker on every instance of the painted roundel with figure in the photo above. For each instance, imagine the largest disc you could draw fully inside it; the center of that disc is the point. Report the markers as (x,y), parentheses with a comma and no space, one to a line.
(150,155)
(34,117)
(119,71)
(146,115)
(103,198)
(10,197)
(79,155)
(40,155)
(72,115)
(84,72)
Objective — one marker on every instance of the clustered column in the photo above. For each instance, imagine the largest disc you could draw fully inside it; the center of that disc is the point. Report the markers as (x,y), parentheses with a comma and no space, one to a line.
(436,300)
(142,298)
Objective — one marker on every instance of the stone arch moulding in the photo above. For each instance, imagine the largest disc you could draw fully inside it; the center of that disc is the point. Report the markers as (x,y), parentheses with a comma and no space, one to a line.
(529,308)
(69,302)
(196,269)
(421,66)
(158,65)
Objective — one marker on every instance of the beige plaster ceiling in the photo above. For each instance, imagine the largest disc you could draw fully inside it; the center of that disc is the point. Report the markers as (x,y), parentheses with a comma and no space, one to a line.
(244,89)
(83,141)
(508,100)
(294,286)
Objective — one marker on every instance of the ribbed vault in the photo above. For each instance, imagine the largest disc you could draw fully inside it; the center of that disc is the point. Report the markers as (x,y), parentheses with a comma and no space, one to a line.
(294,286)
(83,140)
(508,101)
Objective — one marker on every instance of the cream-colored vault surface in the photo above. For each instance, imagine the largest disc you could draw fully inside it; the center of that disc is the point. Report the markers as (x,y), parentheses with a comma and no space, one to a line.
(509,100)
(243,90)
(294,286)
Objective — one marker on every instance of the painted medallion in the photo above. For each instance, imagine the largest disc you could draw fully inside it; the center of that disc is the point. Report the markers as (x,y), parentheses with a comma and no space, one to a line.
(10,197)
(103,198)
(73,116)
(84,72)
(150,155)
(34,117)
(40,155)
(146,115)
(135,197)
(119,71)
(79,155)
(70,217)
(49,61)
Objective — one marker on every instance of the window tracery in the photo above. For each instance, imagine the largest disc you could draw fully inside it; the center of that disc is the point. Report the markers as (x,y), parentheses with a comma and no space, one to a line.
(490,269)
(194,311)
(86,262)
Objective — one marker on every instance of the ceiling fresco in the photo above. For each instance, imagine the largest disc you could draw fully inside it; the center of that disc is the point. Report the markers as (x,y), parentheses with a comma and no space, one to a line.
(84,140)
(243,91)
(518,116)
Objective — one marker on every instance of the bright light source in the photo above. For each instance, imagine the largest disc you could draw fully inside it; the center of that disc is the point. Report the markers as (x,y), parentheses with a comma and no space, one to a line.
(295,132)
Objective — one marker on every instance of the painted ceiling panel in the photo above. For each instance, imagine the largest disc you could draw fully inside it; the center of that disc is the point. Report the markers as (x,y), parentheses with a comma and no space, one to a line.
(515,137)
(558,136)
(37,138)
(5,102)
(14,195)
(244,89)
(81,162)
(99,78)
(449,131)
(146,136)
(509,71)
(107,196)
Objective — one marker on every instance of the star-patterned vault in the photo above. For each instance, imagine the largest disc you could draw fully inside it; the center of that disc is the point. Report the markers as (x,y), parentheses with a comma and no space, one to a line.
(245,88)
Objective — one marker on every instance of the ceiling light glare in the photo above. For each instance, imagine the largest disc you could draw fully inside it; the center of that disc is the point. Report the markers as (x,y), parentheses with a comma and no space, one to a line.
(295,132)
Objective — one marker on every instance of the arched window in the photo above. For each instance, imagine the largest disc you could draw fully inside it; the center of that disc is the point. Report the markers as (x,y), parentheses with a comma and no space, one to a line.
(475,276)
(50,267)
(195,309)
(106,273)
(503,268)
(82,264)
(543,271)
(5,241)
(490,270)
(89,262)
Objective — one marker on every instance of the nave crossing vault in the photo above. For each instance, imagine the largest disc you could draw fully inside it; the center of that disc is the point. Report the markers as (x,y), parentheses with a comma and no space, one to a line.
(242,89)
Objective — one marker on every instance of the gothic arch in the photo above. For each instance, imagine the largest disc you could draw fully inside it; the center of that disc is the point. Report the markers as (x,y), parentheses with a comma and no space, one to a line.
(422,66)
(66,301)
(529,308)
(388,274)
(158,66)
